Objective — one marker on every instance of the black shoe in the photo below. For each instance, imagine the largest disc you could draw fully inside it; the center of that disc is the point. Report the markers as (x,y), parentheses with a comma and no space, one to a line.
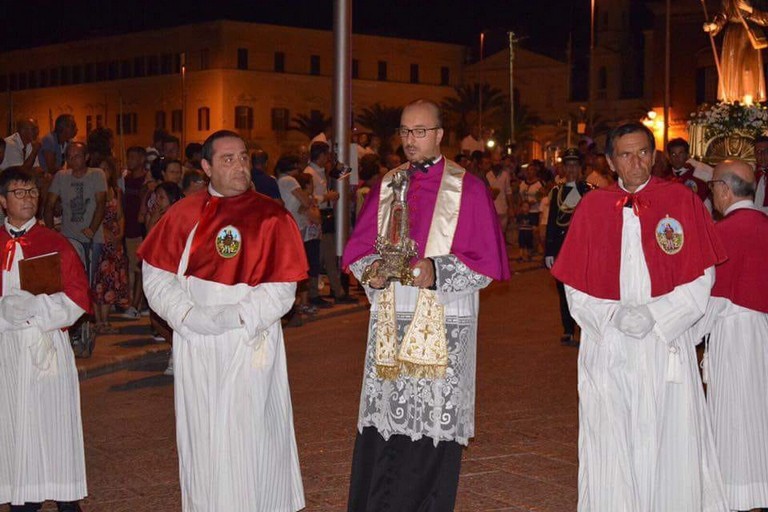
(68,506)
(320,302)
(345,299)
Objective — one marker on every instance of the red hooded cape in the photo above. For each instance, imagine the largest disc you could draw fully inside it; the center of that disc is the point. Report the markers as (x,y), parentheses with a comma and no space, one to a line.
(271,249)
(39,240)
(590,259)
(743,279)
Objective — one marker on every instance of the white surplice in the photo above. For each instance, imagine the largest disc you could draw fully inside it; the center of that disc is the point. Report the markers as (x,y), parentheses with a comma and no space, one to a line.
(234,422)
(645,442)
(41,431)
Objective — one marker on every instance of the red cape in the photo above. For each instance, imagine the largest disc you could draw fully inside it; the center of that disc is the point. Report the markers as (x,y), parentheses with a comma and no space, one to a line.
(697,185)
(271,249)
(40,240)
(743,278)
(590,259)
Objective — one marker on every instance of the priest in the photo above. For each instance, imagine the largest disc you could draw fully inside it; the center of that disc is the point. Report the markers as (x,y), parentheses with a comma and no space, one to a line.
(737,356)
(41,432)
(418,394)
(638,268)
(221,268)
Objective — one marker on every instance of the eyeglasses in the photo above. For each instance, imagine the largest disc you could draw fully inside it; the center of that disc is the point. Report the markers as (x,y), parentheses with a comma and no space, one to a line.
(419,133)
(21,193)
(711,183)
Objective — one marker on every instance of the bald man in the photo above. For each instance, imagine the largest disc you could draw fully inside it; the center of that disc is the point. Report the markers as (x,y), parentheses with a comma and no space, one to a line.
(22,147)
(737,356)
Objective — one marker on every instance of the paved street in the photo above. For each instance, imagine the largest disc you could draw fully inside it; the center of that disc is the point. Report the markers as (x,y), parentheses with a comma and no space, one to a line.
(522,459)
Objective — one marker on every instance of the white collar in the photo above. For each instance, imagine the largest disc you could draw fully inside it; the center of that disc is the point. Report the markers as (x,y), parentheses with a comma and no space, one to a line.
(641,187)
(213,191)
(738,205)
(25,227)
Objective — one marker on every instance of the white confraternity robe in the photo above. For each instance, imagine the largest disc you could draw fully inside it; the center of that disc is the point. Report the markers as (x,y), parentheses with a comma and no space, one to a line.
(234,422)
(41,431)
(645,442)
(737,396)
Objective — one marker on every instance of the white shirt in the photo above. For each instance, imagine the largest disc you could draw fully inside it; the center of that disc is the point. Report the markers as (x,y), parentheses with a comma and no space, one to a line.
(738,205)
(319,184)
(500,182)
(16,152)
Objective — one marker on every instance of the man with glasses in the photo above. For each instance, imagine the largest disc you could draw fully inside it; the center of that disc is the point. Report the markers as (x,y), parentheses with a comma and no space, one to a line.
(418,394)
(761,173)
(638,266)
(736,357)
(41,434)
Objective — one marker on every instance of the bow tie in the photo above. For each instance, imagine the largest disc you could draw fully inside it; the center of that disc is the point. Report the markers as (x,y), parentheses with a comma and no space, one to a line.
(422,166)
(17,234)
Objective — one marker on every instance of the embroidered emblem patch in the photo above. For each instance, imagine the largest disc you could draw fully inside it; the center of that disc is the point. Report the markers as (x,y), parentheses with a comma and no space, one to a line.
(692,185)
(669,235)
(228,242)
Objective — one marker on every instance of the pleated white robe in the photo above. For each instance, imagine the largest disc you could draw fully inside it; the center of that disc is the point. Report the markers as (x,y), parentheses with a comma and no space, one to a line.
(234,422)
(41,431)
(645,441)
(737,396)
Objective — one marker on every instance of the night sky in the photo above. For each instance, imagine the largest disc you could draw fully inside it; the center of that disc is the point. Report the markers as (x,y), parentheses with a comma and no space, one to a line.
(545,24)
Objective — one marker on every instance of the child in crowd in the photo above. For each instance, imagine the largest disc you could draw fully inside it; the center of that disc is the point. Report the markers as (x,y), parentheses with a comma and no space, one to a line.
(311,233)
(525,232)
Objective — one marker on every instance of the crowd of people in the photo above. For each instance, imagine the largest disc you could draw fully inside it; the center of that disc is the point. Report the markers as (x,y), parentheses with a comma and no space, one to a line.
(219,252)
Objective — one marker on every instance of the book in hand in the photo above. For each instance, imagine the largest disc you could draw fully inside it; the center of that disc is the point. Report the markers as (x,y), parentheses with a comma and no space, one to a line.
(41,274)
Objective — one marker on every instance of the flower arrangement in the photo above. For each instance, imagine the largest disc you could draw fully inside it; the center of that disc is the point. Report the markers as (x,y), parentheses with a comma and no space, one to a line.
(722,119)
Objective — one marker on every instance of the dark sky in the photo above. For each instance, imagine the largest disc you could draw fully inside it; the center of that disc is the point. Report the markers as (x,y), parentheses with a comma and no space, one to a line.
(544,23)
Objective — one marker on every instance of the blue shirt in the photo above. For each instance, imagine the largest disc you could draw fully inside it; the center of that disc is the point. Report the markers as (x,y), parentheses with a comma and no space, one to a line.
(51,143)
(265,184)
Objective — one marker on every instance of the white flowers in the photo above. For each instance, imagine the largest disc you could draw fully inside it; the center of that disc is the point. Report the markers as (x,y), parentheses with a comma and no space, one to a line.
(728,118)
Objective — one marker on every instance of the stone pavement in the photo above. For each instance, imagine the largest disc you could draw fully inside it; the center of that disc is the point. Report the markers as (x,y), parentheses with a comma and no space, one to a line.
(523,457)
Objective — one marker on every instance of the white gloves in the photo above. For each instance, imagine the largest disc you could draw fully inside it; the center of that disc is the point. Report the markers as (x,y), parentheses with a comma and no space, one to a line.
(17,307)
(635,321)
(549,261)
(212,320)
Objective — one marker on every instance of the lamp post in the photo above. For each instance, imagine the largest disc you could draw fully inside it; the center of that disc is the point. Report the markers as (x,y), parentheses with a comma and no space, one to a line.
(512,41)
(591,106)
(480,91)
(342,20)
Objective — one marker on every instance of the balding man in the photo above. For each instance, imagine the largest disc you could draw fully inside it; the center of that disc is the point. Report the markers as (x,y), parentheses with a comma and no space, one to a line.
(22,147)
(418,398)
(736,356)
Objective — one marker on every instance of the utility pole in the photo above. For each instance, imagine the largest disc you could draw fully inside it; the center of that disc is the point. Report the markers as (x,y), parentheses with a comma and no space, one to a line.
(342,29)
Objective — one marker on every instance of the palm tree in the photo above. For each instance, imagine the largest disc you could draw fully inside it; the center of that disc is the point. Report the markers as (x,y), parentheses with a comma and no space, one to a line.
(310,125)
(462,111)
(381,120)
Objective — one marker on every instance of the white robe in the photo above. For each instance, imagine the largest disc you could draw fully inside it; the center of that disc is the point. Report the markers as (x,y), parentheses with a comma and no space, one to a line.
(234,422)
(737,396)
(41,432)
(645,442)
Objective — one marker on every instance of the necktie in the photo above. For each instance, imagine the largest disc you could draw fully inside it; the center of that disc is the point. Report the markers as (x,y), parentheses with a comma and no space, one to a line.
(17,234)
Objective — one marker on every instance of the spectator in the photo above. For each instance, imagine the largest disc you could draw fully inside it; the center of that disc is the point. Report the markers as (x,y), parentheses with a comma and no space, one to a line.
(135,179)
(54,145)
(392,160)
(171,171)
(472,142)
(22,147)
(193,181)
(156,149)
(263,182)
(371,171)
(193,154)
(525,230)
(501,191)
(171,148)
(532,192)
(110,284)
(100,144)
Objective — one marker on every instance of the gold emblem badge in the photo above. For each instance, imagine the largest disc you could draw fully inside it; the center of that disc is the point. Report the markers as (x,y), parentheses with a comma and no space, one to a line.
(669,235)
(228,242)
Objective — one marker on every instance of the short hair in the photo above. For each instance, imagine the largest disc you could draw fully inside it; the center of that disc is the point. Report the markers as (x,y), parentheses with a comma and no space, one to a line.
(259,157)
(678,143)
(171,139)
(477,155)
(77,144)
(191,149)
(287,163)
(434,106)
(738,186)
(190,177)
(304,179)
(174,161)
(136,149)
(172,190)
(760,138)
(63,121)
(318,149)
(208,144)
(14,173)
(626,129)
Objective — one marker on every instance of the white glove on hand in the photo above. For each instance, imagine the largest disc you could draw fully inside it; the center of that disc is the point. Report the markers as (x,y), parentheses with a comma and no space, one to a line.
(17,307)
(635,321)
(549,261)
(201,320)
(228,318)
